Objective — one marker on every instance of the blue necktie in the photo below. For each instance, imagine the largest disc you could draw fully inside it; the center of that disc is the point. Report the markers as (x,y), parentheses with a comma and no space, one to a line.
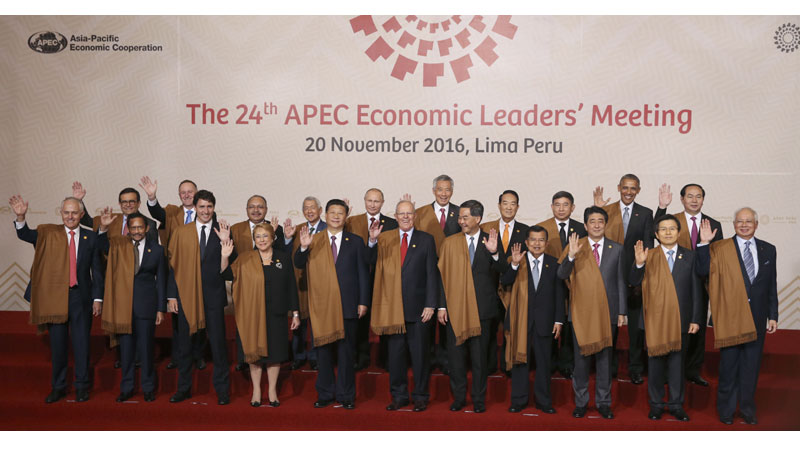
(749,265)
(471,250)
(535,272)
(188,217)
(671,260)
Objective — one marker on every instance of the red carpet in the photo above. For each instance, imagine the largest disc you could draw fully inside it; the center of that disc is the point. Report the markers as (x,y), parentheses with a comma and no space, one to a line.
(25,378)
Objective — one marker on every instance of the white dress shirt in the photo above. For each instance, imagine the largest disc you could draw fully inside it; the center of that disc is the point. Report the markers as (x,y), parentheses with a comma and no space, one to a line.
(591,248)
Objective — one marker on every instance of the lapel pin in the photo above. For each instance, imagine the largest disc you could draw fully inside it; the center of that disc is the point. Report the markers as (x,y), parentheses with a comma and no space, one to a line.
(547,266)
(451,214)
(517,231)
(148,250)
(346,239)
(413,245)
(86,237)
(571,230)
(609,246)
(636,214)
(680,256)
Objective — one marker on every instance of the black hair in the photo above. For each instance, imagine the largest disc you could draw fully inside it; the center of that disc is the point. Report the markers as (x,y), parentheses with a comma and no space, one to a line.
(563,194)
(683,189)
(475,208)
(205,195)
(129,190)
(337,202)
(538,229)
(594,210)
(508,191)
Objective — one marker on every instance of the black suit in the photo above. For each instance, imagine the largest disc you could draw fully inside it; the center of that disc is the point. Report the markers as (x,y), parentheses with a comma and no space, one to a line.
(149,297)
(90,286)
(353,277)
(215,298)
(485,277)
(671,367)
(545,307)
(739,364)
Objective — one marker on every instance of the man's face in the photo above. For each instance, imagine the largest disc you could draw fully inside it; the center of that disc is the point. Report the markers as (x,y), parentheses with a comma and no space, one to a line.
(405,216)
(667,233)
(128,203)
(628,189)
(262,239)
(536,242)
(745,224)
(256,209)
(137,228)
(205,211)
(596,226)
(443,191)
(335,216)
(186,192)
(692,200)
(373,202)
(71,214)
(508,207)
(311,211)
(467,222)
(562,208)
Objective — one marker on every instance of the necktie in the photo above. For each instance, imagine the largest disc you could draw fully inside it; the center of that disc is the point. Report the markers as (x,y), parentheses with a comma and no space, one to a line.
(311,230)
(626,218)
(188,217)
(535,273)
(73,260)
(203,239)
(135,257)
(333,249)
(562,233)
(371,221)
(124,225)
(694,233)
(442,219)
(671,260)
(505,239)
(403,248)
(749,265)
(596,253)
(471,249)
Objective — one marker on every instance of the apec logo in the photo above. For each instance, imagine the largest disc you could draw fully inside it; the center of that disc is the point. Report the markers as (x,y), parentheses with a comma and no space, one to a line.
(47,42)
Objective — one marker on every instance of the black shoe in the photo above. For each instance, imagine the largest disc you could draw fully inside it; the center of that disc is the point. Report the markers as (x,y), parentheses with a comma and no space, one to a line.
(322,403)
(479,408)
(348,404)
(124,396)
(698,380)
(180,396)
(240,367)
(420,405)
(361,365)
(255,404)
(81,395)
(750,420)
(445,371)
(614,374)
(137,364)
(726,420)
(149,396)
(395,405)
(507,373)
(172,365)
(200,364)
(298,363)
(515,408)
(636,378)
(655,413)
(679,414)
(117,364)
(313,365)
(605,411)
(55,395)
(456,405)
(566,374)
(545,409)
(275,404)
(579,412)
(223,399)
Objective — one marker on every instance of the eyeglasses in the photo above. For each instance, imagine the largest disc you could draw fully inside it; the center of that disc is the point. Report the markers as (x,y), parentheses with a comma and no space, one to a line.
(128,202)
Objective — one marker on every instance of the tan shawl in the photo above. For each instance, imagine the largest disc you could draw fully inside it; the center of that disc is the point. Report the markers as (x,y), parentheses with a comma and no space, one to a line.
(553,247)
(387,296)
(591,319)
(462,305)
(174,219)
(242,237)
(358,226)
(50,277)
(427,221)
(727,294)
(614,229)
(662,314)
(118,297)
(184,258)
(300,275)
(324,297)
(115,229)
(517,336)
(249,305)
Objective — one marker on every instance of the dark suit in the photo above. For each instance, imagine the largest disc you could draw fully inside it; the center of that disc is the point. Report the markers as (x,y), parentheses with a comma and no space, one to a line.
(149,297)
(78,327)
(215,299)
(611,268)
(485,277)
(353,277)
(697,342)
(739,364)
(545,307)
(671,367)
(420,286)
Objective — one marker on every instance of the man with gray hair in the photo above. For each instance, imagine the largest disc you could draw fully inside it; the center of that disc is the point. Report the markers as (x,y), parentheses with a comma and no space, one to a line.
(66,275)
(743,294)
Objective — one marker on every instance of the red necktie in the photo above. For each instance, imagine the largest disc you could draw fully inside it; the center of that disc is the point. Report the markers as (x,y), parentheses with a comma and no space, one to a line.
(596,253)
(694,233)
(403,248)
(73,260)
(442,219)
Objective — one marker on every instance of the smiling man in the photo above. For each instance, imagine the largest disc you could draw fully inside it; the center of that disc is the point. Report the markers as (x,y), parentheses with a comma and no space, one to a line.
(129,202)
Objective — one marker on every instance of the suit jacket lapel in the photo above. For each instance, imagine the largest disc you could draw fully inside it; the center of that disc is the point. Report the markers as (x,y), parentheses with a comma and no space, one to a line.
(411,243)
(762,261)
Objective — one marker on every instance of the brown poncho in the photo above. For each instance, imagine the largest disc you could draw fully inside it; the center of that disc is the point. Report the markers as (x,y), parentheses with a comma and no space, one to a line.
(324,297)
(118,297)
(115,229)
(591,319)
(662,314)
(358,226)
(242,237)
(462,305)
(184,258)
(614,228)
(50,277)
(249,305)
(517,336)
(174,220)
(553,247)
(387,297)
(727,294)
(427,220)
(300,275)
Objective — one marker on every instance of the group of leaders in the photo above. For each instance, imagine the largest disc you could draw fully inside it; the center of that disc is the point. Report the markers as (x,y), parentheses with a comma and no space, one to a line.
(560,290)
